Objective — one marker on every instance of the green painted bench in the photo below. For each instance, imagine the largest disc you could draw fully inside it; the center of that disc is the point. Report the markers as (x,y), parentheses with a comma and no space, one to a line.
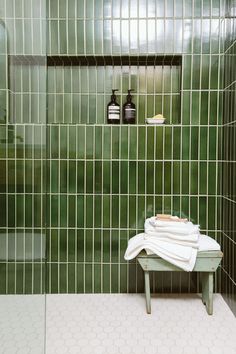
(206,263)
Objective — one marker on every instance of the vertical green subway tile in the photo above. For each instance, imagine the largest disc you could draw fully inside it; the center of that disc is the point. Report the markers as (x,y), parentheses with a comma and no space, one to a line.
(211,213)
(159,143)
(123,211)
(107,167)
(97,245)
(141,142)
(159,177)
(194,210)
(116,176)
(167,178)
(150,178)
(212,176)
(88,245)
(141,177)
(194,143)
(71,278)
(106,211)
(203,143)
(176,143)
(141,212)
(176,205)
(195,108)
(71,211)
(132,212)
(106,246)
(124,142)
(97,278)
(185,143)
(89,210)
(167,205)
(204,108)
(72,176)
(185,177)
(63,176)
(202,212)
(168,143)
(213,108)
(107,142)
(80,278)
(194,177)
(133,136)
(80,245)
(115,211)
(115,142)
(187,67)
(203,177)
(89,170)
(124,177)
(132,177)
(212,143)
(176,178)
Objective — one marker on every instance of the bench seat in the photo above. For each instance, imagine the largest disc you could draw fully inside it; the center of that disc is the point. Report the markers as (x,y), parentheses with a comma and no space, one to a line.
(207,262)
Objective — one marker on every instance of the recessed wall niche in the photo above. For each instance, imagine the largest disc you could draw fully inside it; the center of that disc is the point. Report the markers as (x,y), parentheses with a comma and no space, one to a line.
(79,88)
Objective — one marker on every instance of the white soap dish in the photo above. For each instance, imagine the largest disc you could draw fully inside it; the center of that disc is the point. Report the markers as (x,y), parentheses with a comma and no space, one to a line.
(155,120)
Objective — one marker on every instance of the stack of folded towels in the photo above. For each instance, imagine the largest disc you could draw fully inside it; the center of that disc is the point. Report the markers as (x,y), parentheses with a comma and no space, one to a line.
(173,239)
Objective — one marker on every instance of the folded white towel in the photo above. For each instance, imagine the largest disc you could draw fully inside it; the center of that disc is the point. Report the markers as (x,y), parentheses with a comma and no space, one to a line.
(176,242)
(181,256)
(191,240)
(172,236)
(151,225)
(207,243)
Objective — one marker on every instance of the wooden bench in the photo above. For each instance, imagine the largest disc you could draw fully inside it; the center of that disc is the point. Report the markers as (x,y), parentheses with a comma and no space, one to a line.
(206,263)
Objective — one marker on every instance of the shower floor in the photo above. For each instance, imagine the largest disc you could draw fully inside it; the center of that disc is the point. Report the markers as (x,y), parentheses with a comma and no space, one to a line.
(114,324)
(118,324)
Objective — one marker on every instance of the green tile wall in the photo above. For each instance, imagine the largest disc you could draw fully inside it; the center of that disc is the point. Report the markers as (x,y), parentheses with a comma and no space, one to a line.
(103,181)
(229,161)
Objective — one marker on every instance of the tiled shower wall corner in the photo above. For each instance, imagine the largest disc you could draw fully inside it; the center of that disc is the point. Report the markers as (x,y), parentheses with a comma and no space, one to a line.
(229,162)
(102,181)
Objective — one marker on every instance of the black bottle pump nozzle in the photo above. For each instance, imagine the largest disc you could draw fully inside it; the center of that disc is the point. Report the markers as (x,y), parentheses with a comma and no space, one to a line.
(129,96)
(113,96)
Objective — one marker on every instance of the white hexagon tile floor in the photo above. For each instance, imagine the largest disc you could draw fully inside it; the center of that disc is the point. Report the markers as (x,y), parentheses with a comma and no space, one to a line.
(114,324)
(118,324)
(22,324)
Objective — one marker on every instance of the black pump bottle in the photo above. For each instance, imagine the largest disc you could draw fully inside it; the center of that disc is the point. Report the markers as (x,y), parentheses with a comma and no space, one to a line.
(129,110)
(113,110)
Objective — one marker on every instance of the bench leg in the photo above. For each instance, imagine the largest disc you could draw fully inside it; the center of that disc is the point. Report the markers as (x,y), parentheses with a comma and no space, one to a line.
(147,291)
(207,291)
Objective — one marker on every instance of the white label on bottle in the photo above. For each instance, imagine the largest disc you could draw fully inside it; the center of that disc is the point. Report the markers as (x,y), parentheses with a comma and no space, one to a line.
(115,108)
(114,116)
(114,112)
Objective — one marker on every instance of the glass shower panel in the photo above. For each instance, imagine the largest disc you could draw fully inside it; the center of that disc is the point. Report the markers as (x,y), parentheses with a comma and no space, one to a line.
(22,175)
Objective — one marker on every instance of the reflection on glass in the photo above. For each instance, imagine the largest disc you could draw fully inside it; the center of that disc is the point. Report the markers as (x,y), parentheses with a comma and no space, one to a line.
(22,182)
